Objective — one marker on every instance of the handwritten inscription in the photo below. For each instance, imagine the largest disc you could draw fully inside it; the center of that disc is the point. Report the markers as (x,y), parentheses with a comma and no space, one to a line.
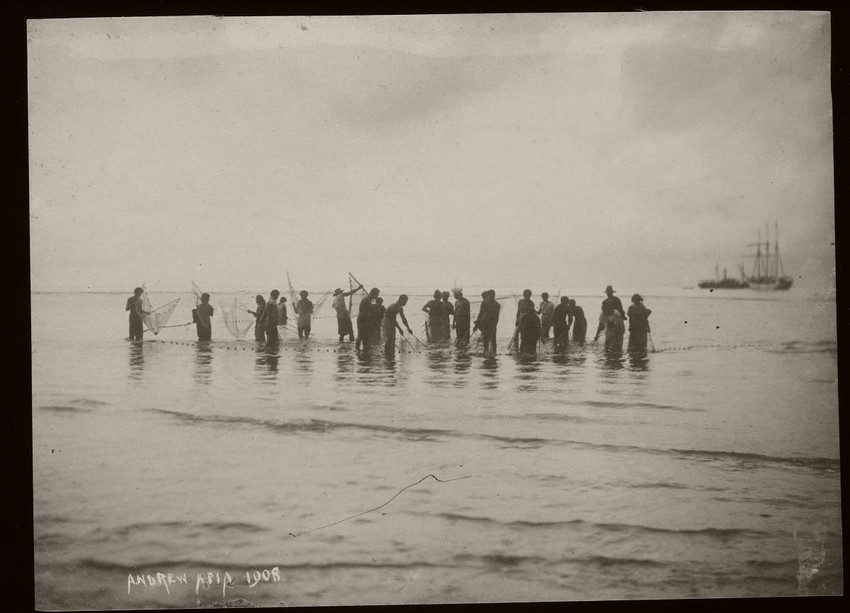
(204,581)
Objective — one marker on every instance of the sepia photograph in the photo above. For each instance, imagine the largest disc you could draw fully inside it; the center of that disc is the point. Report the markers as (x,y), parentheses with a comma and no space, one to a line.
(432,309)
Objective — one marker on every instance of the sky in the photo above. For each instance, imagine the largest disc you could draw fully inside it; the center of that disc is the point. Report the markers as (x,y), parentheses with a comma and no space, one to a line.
(539,150)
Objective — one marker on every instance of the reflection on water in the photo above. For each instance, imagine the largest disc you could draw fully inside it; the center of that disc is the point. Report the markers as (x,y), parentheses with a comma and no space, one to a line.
(527,367)
(345,362)
(137,360)
(265,363)
(490,371)
(203,362)
(639,361)
(304,363)
(375,367)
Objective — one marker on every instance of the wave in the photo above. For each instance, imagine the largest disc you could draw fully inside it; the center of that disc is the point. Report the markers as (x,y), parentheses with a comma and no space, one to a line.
(176,525)
(191,565)
(64,409)
(719,533)
(803,461)
(320,426)
(637,405)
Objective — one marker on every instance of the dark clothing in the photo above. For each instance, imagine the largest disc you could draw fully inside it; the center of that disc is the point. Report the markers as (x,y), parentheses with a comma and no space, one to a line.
(579,325)
(343,326)
(204,324)
(268,321)
(365,320)
(137,329)
(259,330)
(562,337)
(375,326)
(523,305)
(638,327)
(438,317)
(529,332)
(462,318)
(389,324)
(448,313)
(616,304)
(282,317)
(559,315)
(488,319)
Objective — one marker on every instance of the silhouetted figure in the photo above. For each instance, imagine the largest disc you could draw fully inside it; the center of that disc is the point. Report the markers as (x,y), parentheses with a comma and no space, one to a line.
(365,318)
(638,324)
(134,305)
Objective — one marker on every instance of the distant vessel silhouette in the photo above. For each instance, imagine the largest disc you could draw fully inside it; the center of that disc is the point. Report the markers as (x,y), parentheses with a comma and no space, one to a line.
(768,273)
(725,282)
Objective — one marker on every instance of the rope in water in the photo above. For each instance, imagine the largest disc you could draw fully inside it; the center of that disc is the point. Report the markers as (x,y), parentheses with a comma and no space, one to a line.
(301,345)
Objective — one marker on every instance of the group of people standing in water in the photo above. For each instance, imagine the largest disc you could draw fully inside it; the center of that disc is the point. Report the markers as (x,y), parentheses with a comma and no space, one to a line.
(376,323)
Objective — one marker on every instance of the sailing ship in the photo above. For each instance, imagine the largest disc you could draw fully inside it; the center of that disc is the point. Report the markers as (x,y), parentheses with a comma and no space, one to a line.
(725,282)
(768,273)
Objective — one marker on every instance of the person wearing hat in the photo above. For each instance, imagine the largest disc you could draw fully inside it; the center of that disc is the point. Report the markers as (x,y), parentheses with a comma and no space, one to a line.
(304,309)
(614,302)
(462,316)
(638,325)
(611,322)
(343,317)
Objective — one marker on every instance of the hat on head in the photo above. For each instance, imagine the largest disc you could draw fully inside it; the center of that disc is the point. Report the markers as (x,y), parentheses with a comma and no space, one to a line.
(610,289)
(457,290)
(637,298)
(337,291)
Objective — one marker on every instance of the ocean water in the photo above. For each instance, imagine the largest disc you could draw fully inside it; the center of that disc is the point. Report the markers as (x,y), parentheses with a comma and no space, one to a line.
(313,475)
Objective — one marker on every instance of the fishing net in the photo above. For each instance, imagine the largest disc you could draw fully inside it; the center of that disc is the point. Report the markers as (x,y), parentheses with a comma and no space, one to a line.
(237,319)
(156,318)
(320,303)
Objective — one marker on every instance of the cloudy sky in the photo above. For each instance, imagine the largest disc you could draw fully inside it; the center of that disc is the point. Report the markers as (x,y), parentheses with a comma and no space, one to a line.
(564,150)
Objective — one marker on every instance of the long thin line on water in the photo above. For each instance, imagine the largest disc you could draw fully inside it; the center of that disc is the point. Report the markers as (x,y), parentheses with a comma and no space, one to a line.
(381,506)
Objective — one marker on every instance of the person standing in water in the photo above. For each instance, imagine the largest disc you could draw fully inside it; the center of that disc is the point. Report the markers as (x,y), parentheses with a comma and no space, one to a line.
(204,313)
(638,325)
(522,304)
(435,309)
(282,317)
(304,308)
(579,323)
(488,319)
(448,315)
(343,317)
(259,331)
(389,323)
(270,318)
(365,317)
(134,305)
(546,310)
(614,302)
(462,316)
(378,312)
(560,325)
(529,332)
(612,323)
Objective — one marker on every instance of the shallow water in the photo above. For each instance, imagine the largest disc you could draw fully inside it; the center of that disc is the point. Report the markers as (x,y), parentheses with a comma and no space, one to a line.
(707,468)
